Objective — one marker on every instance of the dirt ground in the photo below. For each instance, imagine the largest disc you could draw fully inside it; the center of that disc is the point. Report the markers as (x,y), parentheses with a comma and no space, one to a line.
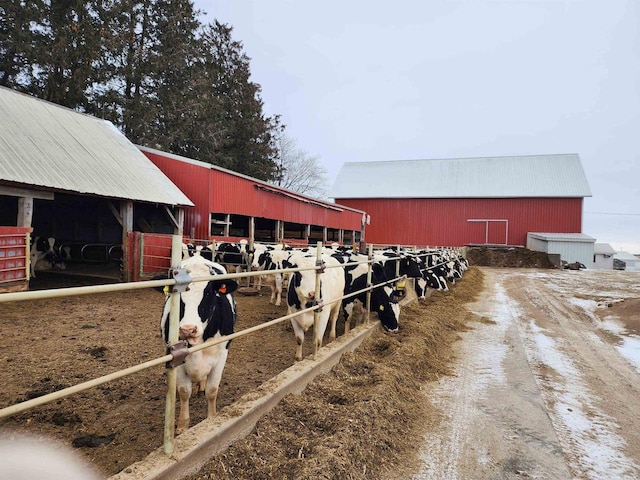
(355,422)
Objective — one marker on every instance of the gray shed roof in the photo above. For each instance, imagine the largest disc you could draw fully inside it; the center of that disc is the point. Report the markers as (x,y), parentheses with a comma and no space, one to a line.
(562,237)
(48,146)
(483,177)
(603,249)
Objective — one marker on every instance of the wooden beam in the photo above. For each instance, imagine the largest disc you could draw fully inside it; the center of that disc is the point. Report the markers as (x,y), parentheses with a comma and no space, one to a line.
(25,192)
(116,212)
(25,211)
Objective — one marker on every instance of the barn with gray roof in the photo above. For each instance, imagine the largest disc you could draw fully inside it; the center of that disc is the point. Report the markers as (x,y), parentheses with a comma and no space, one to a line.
(78,179)
(466,201)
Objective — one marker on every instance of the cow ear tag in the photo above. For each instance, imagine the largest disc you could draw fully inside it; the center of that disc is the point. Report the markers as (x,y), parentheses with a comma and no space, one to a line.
(222,289)
(381,307)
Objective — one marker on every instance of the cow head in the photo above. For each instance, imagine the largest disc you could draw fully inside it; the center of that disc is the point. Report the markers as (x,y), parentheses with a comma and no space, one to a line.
(388,312)
(206,308)
(302,289)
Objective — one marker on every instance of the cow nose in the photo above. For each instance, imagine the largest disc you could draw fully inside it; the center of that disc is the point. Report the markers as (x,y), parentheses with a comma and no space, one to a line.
(311,295)
(188,331)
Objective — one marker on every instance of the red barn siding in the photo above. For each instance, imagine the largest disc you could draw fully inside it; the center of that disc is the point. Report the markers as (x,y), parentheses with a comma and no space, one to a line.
(444,221)
(217,191)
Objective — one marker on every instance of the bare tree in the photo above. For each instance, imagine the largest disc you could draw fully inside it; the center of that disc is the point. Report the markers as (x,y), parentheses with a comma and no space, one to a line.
(298,171)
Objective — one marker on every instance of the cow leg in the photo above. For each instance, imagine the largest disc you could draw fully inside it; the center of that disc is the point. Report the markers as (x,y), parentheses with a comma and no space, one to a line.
(184,393)
(213,383)
(299,333)
(273,294)
(323,319)
(335,311)
(278,289)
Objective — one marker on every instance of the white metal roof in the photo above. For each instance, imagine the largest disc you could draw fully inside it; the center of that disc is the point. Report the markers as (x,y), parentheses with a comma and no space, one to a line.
(49,146)
(626,256)
(562,237)
(603,249)
(483,177)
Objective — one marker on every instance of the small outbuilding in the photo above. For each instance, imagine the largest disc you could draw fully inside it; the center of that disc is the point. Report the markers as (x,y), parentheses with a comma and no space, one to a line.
(603,256)
(629,261)
(572,247)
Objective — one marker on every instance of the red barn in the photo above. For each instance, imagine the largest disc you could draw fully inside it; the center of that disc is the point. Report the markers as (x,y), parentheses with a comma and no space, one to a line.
(232,205)
(466,201)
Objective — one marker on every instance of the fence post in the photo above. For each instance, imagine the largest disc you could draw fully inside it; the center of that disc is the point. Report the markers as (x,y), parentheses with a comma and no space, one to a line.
(367,305)
(174,320)
(141,271)
(317,298)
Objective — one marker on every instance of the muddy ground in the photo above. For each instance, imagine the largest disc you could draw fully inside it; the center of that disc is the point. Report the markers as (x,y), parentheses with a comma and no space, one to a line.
(548,387)
(356,422)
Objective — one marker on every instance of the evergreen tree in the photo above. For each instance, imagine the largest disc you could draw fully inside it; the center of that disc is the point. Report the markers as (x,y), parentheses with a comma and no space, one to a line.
(17,41)
(151,68)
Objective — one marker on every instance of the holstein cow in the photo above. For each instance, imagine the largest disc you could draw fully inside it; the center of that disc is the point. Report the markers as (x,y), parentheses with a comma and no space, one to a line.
(44,257)
(301,294)
(407,263)
(233,255)
(265,260)
(207,310)
(354,307)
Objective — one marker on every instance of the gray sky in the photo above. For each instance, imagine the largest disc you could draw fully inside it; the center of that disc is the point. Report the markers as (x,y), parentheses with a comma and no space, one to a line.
(373,80)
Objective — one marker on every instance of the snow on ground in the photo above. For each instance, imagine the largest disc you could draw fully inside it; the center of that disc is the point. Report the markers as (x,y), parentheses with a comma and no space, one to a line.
(587,433)
(589,438)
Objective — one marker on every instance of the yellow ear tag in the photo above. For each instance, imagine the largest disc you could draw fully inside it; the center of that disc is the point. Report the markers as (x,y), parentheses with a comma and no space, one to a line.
(166,290)
(381,307)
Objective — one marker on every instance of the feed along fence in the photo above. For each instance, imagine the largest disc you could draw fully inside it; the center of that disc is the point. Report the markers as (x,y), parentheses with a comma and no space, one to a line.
(178,283)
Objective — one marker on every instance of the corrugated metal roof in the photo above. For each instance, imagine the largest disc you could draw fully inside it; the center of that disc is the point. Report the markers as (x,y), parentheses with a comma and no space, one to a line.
(603,249)
(562,237)
(46,145)
(483,177)
(626,256)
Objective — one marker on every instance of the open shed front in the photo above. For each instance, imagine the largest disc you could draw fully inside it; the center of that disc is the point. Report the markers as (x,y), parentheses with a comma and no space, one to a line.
(93,235)
(230,205)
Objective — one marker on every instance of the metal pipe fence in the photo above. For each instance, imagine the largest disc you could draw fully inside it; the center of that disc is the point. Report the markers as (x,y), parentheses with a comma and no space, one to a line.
(173,326)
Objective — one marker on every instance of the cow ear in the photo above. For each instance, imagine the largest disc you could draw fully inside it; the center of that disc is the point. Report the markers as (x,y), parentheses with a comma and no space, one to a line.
(225,286)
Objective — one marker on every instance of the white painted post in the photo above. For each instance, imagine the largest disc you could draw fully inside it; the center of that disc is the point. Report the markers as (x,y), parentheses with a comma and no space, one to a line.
(369,270)
(174,320)
(318,297)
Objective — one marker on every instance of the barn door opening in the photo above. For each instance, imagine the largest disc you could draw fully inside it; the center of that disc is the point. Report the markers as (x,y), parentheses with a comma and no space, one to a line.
(496,231)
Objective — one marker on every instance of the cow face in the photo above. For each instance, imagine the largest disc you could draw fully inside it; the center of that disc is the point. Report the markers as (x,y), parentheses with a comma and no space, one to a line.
(388,312)
(432,280)
(206,308)
(302,290)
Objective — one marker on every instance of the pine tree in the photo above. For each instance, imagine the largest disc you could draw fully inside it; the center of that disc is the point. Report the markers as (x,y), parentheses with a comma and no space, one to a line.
(16,41)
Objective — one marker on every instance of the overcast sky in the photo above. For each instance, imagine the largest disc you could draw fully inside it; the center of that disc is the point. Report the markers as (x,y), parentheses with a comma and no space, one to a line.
(378,80)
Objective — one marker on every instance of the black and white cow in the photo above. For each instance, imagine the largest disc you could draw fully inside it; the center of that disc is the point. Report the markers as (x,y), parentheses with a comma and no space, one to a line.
(233,255)
(207,310)
(302,294)
(43,256)
(381,304)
